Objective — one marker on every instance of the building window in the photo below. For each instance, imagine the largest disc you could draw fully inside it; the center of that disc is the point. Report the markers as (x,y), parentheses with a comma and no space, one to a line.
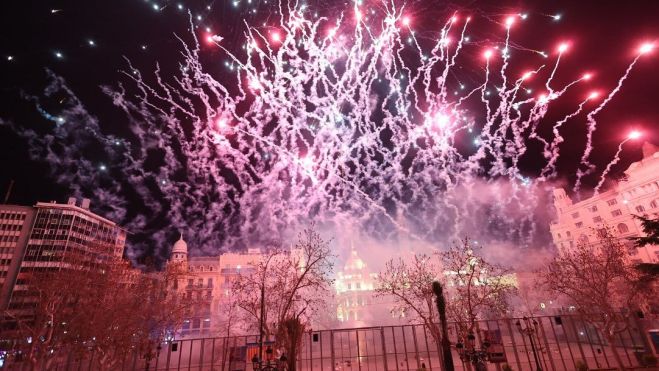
(612,202)
(653,204)
(583,238)
(593,209)
(579,224)
(559,235)
(616,212)
(575,215)
(640,208)
(597,219)
(568,234)
(622,228)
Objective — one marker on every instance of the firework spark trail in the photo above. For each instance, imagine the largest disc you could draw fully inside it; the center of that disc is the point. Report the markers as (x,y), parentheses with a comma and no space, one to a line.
(351,127)
(551,152)
(616,159)
(592,126)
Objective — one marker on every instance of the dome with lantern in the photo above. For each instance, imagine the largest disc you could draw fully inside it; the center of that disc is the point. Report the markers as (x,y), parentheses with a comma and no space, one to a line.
(180,250)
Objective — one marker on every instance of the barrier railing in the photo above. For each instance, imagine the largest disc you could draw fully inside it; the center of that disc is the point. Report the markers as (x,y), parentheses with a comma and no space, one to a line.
(559,343)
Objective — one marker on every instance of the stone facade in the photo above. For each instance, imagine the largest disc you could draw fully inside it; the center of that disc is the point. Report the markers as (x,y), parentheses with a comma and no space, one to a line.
(636,194)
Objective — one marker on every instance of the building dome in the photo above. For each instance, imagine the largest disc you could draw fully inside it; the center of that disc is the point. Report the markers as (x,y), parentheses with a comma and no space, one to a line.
(354,262)
(180,249)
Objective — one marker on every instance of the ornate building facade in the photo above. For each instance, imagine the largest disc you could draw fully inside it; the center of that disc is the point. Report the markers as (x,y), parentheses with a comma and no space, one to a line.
(636,194)
(356,303)
(208,284)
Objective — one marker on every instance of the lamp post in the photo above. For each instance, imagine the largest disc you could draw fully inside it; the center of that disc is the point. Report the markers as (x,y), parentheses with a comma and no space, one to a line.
(469,353)
(531,327)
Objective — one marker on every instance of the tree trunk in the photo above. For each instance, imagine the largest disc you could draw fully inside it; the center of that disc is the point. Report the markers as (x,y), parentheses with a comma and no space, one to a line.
(291,331)
(447,356)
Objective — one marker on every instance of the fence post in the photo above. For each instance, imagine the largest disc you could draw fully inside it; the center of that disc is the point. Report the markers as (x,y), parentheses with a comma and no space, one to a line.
(416,346)
(440,356)
(384,349)
(558,345)
(548,350)
(213,353)
(393,336)
(311,351)
(201,354)
(169,354)
(320,343)
(590,342)
(359,358)
(407,362)
(332,349)
(512,339)
(576,335)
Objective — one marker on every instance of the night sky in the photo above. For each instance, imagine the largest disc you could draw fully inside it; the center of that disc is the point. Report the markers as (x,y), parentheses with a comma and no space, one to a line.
(85,42)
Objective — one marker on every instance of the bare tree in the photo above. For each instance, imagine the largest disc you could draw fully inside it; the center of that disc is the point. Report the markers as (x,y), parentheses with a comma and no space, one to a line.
(600,281)
(107,308)
(228,323)
(294,284)
(476,289)
(410,285)
(39,321)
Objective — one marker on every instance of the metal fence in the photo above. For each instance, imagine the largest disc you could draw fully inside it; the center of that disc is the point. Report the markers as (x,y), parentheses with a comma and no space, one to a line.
(559,342)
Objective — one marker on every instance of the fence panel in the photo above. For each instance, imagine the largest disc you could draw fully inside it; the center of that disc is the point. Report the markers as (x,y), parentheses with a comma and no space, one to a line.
(557,344)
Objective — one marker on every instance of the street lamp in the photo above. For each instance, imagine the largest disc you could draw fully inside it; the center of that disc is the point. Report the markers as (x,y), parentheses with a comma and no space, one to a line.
(469,353)
(530,330)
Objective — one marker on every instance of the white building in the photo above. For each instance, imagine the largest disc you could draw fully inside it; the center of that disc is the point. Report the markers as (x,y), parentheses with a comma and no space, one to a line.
(637,194)
(356,302)
(208,284)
